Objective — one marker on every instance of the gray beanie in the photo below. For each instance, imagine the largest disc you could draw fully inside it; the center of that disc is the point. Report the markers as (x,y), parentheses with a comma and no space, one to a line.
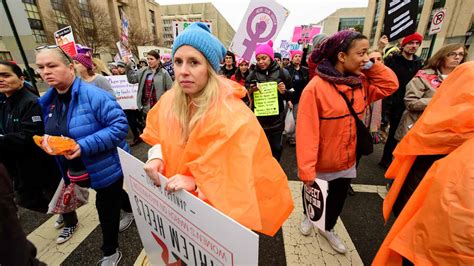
(318,39)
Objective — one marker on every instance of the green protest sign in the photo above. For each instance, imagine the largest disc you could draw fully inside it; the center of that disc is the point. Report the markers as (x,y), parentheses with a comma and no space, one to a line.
(266,99)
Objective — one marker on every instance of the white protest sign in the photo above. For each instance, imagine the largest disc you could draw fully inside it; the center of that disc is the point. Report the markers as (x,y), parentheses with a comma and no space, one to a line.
(65,39)
(315,201)
(437,20)
(261,23)
(180,26)
(125,92)
(286,47)
(180,228)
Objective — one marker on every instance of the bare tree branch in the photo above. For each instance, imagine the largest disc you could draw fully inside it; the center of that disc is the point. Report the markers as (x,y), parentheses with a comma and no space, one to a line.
(90,24)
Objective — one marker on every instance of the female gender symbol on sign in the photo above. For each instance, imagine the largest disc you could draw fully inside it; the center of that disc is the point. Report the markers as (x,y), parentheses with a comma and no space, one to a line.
(260,28)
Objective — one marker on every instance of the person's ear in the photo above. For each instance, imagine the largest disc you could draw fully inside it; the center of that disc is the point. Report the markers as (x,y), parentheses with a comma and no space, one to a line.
(341,57)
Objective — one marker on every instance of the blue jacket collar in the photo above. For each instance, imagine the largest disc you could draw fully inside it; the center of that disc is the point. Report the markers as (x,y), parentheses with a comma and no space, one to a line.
(51,94)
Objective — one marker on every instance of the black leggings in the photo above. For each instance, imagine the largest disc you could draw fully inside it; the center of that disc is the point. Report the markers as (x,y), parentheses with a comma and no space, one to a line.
(135,122)
(109,201)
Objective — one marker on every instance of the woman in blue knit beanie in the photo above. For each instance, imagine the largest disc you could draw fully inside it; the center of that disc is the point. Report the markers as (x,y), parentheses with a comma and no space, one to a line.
(207,141)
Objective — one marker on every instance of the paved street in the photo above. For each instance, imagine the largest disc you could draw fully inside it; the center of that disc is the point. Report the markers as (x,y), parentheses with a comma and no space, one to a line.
(361,226)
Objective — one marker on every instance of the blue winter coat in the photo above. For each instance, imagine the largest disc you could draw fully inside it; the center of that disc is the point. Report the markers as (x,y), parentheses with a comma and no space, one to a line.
(99,125)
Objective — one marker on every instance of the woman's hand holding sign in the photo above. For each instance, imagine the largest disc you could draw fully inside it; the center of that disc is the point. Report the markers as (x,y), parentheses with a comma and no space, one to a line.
(153,168)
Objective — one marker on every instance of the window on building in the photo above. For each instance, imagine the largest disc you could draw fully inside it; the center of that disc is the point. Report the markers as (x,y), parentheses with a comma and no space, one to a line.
(84,8)
(34,19)
(6,56)
(356,23)
(57,4)
(40,36)
(152,22)
(424,53)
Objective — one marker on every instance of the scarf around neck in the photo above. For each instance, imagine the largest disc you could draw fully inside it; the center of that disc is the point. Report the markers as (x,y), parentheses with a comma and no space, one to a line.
(327,72)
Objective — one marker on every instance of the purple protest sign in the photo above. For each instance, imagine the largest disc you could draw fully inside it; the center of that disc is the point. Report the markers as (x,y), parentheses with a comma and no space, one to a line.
(261,23)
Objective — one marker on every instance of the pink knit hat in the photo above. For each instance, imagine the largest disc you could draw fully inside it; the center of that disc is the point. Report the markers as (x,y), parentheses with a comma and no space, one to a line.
(241,60)
(84,59)
(266,49)
(295,52)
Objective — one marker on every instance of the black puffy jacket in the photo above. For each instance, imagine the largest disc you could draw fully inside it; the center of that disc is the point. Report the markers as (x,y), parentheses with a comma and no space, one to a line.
(274,123)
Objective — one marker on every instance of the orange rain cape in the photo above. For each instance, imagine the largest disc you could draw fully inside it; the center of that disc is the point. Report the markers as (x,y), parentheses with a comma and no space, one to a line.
(229,156)
(446,124)
(436,227)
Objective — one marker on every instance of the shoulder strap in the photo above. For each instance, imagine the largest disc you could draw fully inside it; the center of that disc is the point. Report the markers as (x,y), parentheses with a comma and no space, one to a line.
(349,105)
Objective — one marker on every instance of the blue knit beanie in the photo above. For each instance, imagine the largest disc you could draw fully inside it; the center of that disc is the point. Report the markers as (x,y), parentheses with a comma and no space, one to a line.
(199,36)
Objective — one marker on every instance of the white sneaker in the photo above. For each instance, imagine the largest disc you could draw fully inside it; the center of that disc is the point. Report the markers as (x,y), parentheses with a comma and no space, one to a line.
(306,226)
(67,233)
(334,240)
(111,260)
(59,222)
(126,221)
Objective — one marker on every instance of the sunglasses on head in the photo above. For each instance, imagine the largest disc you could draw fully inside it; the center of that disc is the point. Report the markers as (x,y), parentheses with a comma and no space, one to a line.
(54,46)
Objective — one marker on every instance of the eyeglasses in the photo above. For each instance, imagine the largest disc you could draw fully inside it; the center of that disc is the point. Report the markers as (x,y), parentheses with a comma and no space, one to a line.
(453,54)
(54,46)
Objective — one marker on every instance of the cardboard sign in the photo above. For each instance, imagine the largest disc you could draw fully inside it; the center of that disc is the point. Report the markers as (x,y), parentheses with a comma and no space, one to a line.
(180,26)
(65,39)
(180,228)
(266,99)
(262,22)
(125,92)
(315,201)
(437,20)
(123,51)
(305,33)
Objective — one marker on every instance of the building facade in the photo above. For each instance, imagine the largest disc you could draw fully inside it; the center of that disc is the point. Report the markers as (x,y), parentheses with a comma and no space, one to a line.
(342,19)
(44,17)
(200,11)
(457,25)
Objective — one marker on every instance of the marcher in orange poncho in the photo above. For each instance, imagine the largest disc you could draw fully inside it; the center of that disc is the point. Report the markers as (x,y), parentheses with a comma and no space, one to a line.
(436,225)
(205,139)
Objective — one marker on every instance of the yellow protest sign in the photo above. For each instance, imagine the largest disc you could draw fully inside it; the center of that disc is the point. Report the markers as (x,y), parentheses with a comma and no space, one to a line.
(266,99)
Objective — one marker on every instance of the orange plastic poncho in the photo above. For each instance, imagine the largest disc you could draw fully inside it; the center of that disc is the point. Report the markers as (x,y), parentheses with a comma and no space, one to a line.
(436,226)
(229,156)
(446,124)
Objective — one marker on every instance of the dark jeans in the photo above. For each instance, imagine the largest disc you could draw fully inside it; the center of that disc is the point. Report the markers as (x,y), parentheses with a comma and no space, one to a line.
(391,142)
(275,139)
(337,194)
(135,122)
(109,201)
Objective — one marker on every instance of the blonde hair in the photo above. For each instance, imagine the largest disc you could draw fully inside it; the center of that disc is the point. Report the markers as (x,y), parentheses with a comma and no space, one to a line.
(99,67)
(189,112)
